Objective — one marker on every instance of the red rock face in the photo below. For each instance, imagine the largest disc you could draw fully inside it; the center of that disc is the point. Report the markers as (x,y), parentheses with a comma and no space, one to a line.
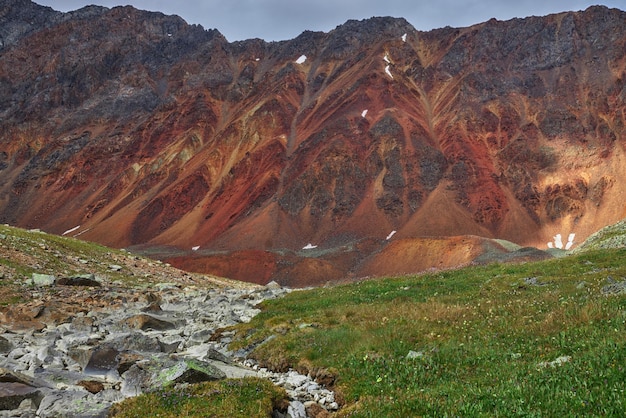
(145,130)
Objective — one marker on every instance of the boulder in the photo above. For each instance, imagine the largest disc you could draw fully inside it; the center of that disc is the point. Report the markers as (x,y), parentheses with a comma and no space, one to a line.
(79,280)
(190,371)
(5,345)
(38,279)
(13,393)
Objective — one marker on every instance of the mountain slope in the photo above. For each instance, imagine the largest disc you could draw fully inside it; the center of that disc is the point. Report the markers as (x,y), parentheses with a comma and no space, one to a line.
(144,130)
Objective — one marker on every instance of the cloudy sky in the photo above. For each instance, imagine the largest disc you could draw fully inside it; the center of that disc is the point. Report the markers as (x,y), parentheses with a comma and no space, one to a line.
(275,20)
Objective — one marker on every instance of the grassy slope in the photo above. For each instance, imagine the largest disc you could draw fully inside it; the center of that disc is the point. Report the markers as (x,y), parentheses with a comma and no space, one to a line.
(482,334)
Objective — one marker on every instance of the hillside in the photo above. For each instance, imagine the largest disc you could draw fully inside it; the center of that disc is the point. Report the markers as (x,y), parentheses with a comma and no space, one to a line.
(135,129)
(536,338)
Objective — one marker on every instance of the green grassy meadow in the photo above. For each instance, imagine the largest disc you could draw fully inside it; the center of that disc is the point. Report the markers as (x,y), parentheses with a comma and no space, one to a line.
(536,339)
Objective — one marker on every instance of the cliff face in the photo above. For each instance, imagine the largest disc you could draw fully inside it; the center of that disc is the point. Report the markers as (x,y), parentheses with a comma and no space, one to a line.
(144,130)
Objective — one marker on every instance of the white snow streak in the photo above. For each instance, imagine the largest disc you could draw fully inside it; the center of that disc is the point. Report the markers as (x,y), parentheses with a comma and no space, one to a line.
(71,230)
(363,113)
(309,246)
(388,72)
(386,58)
(570,241)
(404,38)
(301,59)
(391,234)
(196,248)
(558,243)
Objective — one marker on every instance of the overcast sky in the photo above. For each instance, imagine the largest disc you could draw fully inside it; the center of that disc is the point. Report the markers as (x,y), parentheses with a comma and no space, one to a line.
(275,20)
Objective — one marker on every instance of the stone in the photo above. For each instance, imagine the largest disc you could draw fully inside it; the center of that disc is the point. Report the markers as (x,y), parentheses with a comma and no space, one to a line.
(74,403)
(414,354)
(135,341)
(38,279)
(191,371)
(169,347)
(213,354)
(145,322)
(614,288)
(82,324)
(135,381)
(273,286)
(115,267)
(13,393)
(5,345)
(79,280)
(296,410)
(295,380)
(126,360)
(102,361)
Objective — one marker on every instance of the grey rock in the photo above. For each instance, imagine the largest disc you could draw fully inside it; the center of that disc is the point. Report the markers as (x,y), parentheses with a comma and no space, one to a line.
(134,341)
(5,345)
(38,279)
(135,381)
(102,361)
(414,354)
(273,286)
(190,371)
(213,354)
(296,410)
(73,403)
(12,394)
(145,322)
(79,280)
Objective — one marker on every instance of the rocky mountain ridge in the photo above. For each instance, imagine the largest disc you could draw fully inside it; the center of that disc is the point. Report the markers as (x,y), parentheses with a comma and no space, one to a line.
(134,129)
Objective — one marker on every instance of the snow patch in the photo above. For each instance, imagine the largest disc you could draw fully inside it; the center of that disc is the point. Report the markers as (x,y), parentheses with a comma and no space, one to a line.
(404,38)
(391,234)
(309,246)
(570,241)
(301,59)
(196,248)
(71,230)
(558,242)
(388,72)
(257,59)
(363,113)
(386,58)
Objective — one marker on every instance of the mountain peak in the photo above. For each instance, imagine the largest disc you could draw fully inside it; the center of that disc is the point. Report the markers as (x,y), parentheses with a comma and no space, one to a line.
(296,160)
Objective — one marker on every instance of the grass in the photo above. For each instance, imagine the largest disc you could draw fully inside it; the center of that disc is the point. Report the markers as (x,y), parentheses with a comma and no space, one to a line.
(483,338)
(240,398)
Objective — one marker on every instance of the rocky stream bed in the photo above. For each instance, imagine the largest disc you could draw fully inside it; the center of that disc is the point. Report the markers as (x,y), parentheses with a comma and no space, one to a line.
(81,344)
